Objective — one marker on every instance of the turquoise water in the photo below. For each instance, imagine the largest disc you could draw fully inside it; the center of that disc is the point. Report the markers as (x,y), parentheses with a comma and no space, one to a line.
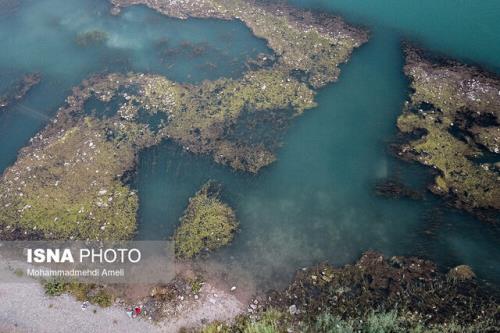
(40,37)
(465,29)
(316,203)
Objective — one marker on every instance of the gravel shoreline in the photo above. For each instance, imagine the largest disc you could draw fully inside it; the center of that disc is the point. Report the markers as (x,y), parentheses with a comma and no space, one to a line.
(26,309)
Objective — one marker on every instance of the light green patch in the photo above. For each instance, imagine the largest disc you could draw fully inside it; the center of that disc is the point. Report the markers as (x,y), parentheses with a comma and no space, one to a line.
(71,188)
(207,224)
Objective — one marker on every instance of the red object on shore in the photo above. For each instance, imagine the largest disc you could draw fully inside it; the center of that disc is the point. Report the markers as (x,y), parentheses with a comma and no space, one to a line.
(137,310)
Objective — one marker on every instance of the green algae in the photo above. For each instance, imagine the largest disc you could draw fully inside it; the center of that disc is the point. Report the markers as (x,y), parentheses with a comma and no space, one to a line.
(308,49)
(207,224)
(458,107)
(199,116)
(70,190)
(223,102)
(68,182)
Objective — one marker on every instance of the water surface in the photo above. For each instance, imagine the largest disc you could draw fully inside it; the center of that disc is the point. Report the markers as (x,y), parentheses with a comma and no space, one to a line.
(316,203)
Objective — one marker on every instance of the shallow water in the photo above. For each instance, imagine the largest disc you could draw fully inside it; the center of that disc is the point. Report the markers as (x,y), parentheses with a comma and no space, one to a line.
(40,36)
(316,202)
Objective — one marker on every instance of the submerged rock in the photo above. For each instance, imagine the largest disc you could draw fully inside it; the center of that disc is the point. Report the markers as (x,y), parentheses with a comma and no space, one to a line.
(19,89)
(393,188)
(93,37)
(207,224)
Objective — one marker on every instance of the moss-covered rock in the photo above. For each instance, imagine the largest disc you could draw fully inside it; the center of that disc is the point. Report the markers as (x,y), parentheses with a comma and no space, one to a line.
(207,224)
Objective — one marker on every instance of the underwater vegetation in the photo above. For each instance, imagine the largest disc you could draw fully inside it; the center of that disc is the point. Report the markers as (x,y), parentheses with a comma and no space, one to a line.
(89,38)
(17,90)
(395,189)
(311,44)
(207,224)
(454,111)
(70,182)
(199,116)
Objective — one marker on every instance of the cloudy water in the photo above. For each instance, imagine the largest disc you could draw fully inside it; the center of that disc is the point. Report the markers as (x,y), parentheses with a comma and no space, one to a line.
(316,203)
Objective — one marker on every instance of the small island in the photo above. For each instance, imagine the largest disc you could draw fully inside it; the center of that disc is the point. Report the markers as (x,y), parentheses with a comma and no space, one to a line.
(207,224)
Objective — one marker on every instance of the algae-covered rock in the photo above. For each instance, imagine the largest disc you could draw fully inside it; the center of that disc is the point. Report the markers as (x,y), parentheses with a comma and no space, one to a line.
(207,224)
(68,182)
(394,188)
(308,49)
(202,117)
(454,110)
